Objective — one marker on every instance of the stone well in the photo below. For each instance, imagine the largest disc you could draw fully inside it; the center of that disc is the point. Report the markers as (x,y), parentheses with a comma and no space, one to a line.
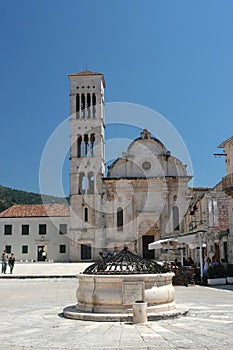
(108,289)
(117,293)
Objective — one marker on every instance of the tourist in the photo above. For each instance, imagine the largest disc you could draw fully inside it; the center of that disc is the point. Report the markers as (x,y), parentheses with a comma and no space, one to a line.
(109,255)
(44,255)
(190,262)
(101,256)
(206,265)
(215,261)
(224,264)
(11,262)
(4,261)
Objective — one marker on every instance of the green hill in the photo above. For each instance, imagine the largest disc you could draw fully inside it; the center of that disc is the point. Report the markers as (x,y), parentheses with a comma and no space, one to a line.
(10,196)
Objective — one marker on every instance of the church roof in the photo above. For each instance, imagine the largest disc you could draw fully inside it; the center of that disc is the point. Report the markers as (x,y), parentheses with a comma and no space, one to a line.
(87,73)
(145,135)
(35,210)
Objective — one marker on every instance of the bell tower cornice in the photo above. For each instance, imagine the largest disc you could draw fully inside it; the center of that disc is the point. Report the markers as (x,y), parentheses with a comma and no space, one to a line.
(87,73)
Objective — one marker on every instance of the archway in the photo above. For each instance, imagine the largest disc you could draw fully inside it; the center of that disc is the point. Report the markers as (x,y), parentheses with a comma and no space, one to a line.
(148,233)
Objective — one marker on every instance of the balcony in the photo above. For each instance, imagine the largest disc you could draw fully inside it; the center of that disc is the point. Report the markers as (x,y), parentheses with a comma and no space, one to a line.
(227,184)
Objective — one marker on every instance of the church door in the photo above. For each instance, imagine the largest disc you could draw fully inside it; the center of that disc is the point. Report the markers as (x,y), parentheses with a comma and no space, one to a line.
(147,239)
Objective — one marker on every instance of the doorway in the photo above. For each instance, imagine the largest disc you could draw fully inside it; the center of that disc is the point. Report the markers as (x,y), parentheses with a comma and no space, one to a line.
(40,250)
(85,251)
(217,252)
(147,239)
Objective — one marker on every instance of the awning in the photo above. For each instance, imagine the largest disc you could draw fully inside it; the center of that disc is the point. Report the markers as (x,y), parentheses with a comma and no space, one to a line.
(159,244)
(191,238)
(187,238)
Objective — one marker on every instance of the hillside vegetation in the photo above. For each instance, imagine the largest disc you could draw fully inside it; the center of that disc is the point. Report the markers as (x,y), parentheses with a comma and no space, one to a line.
(10,196)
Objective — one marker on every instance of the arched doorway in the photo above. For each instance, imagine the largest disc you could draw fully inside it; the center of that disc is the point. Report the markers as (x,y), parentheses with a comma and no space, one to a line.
(148,233)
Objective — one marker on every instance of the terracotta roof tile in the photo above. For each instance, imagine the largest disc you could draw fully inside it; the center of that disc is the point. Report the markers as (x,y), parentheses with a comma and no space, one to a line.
(35,210)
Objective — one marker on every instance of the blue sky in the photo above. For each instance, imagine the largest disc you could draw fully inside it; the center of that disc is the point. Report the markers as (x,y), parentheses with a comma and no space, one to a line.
(175,57)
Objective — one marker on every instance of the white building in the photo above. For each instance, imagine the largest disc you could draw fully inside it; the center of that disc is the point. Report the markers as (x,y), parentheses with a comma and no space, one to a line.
(29,230)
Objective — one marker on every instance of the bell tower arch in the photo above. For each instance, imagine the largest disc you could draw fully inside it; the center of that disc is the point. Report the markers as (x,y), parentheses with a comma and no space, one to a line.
(86,163)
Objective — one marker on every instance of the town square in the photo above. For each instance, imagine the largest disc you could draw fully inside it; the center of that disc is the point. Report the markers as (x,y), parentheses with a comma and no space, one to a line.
(116,179)
(32,317)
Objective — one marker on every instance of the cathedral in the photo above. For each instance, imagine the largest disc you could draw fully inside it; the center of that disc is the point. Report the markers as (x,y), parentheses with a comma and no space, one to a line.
(142,196)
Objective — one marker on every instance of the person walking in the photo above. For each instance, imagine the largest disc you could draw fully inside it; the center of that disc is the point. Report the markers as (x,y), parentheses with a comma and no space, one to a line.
(11,262)
(4,261)
(44,255)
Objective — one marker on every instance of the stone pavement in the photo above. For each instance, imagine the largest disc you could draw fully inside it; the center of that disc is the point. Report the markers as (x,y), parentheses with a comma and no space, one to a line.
(44,269)
(31,317)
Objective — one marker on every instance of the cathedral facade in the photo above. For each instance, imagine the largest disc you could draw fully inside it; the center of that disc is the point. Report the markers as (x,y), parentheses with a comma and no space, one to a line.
(141,198)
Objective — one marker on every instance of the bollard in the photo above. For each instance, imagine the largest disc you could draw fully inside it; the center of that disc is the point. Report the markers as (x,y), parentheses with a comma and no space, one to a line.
(139,311)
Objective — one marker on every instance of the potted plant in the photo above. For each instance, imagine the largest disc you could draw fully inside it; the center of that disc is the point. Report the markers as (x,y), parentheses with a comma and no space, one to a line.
(229,273)
(216,275)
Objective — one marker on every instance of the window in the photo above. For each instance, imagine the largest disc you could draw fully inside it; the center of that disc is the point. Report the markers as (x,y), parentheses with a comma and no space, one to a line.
(8,249)
(146,165)
(213,212)
(93,104)
(82,183)
(91,179)
(119,219)
(7,229)
(83,103)
(86,145)
(88,105)
(86,214)
(24,249)
(25,229)
(62,248)
(63,229)
(93,145)
(86,183)
(176,219)
(79,147)
(77,102)
(42,229)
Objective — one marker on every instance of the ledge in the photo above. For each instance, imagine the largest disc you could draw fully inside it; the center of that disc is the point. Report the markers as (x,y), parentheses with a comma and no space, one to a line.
(73,313)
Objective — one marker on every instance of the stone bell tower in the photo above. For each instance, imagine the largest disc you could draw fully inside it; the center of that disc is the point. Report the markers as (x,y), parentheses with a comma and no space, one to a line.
(86,164)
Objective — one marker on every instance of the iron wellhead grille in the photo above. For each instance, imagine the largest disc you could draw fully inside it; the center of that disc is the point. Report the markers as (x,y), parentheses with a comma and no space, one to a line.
(124,263)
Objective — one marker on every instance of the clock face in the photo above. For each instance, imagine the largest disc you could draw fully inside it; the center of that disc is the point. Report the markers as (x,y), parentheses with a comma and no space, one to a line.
(146,165)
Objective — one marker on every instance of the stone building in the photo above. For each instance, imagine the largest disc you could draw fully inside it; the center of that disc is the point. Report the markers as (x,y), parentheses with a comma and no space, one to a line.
(227,183)
(29,230)
(208,216)
(142,198)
